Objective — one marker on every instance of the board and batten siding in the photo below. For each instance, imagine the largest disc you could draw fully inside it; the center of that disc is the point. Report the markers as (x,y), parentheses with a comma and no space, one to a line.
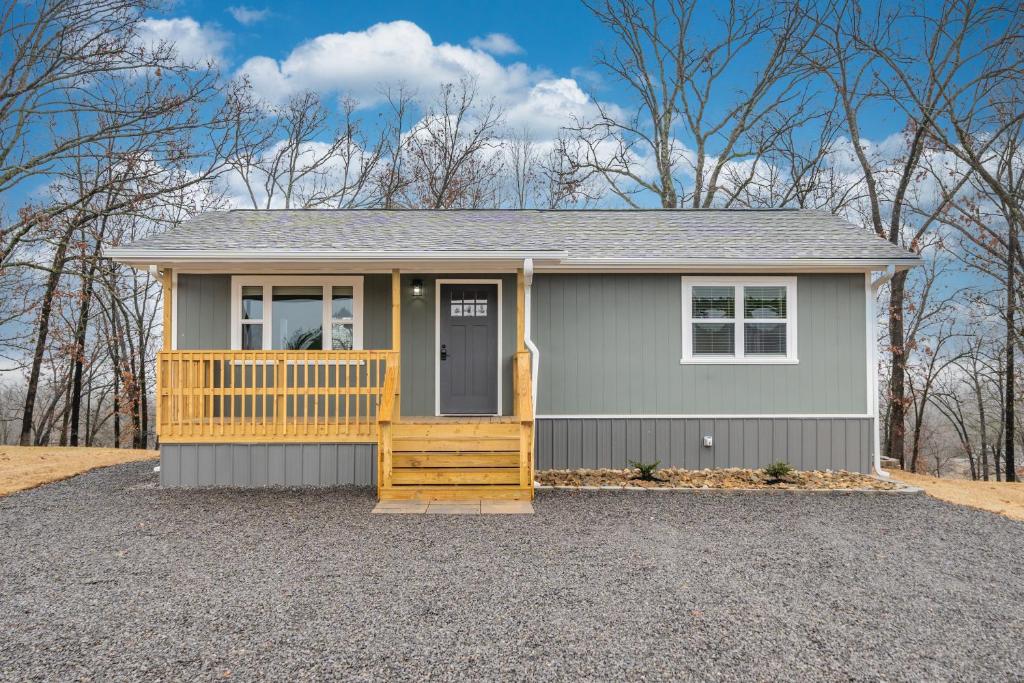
(611,345)
(204,323)
(203,306)
(258,465)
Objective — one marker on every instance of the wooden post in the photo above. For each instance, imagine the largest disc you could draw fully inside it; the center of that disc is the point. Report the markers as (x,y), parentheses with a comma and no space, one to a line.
(167,281)
(396,332)
(520,311)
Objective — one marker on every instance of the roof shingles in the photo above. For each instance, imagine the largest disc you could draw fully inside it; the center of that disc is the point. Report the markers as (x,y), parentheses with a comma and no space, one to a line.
(583,234)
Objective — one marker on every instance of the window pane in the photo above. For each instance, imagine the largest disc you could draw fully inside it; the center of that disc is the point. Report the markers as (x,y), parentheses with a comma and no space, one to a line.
(252,303)
(252,336)
(714,302)
(764,302)
(764,338)
(341,302)
(716,339)
(297,318)
(341,337)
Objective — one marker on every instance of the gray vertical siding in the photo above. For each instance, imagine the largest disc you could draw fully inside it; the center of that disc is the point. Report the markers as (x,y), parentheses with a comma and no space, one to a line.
(805,443)
(204,322)
(204,312)
(256,465)
(611,345)
(418,341)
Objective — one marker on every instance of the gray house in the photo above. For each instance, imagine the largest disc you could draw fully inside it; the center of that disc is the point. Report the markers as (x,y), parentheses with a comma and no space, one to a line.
(448,354)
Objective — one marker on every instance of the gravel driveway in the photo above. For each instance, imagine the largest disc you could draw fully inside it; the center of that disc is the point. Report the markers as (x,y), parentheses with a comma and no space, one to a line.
(107,577)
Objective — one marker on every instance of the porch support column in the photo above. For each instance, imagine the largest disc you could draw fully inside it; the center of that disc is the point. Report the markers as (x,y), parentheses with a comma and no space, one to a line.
(166,279)
(520,311)
(396,334)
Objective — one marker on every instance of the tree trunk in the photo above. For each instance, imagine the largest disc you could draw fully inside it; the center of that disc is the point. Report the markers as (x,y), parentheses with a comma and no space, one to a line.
(81,331)
(1011,350)
(897,379)
(42,332)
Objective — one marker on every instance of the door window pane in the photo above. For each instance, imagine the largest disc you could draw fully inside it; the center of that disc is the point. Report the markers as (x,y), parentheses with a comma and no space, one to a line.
(714,339)
(714,302)
(252,303)
(764,338)
(341,303)
(341,336)
(764,302)
(252,336)
(297,318)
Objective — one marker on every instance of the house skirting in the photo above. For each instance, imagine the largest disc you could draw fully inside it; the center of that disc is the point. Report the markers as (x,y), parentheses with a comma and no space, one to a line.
(807,443)
(268,464)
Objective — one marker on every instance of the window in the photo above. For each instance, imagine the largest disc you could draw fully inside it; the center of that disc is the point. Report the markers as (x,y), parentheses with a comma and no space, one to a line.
(739,320)
(297,313)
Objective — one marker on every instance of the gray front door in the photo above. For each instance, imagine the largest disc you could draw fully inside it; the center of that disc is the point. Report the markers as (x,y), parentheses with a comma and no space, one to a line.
(468,349)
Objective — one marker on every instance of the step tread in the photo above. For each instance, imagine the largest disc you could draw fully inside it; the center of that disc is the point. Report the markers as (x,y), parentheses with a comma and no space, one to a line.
(454,475)
(450,459)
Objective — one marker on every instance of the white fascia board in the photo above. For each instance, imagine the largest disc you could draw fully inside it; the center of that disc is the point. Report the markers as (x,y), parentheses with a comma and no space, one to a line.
(199,255)
(546,261)
(696,264)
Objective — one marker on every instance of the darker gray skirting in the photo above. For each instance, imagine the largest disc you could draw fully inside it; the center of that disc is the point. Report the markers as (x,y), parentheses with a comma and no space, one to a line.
(254,465)
(805,443)
(562,443)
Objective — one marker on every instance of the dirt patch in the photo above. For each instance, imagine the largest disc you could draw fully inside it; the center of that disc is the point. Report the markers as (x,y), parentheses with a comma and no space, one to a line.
(25,467)
(995,496)
(726,478)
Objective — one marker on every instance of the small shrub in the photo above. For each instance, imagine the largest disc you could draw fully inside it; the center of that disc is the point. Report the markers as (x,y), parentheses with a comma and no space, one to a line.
(779,470)
(646,469)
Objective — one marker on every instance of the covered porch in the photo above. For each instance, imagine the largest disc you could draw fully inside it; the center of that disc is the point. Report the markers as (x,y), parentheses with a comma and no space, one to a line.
(376,393)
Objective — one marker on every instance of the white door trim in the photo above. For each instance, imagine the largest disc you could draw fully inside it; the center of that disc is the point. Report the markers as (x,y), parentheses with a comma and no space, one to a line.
(437,336)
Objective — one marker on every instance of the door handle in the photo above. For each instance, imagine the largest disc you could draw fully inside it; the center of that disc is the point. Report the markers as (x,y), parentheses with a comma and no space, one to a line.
(444,352)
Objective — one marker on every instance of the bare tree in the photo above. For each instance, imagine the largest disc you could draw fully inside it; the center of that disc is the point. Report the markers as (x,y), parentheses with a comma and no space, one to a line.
(454,158)
(699,107)
(282,160)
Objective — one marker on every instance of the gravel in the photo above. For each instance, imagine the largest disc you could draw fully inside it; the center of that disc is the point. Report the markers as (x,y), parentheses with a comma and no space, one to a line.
(108,577)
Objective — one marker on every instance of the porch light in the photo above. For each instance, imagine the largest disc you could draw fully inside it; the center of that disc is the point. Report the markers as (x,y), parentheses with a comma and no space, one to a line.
(417,287)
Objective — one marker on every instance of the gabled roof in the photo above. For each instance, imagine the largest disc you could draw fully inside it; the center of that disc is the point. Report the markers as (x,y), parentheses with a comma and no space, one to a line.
(570,238)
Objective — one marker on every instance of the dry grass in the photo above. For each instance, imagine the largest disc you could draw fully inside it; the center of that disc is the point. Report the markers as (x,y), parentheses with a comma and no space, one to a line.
(25,467)
(999,497)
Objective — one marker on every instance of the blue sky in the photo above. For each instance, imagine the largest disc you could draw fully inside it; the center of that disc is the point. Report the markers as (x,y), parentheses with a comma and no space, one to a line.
(559,35)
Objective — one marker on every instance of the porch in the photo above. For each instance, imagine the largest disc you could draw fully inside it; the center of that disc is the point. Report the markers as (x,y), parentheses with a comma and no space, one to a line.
(235,396)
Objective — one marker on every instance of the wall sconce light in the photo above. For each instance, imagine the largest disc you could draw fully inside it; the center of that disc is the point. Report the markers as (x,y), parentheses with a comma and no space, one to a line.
(417,287)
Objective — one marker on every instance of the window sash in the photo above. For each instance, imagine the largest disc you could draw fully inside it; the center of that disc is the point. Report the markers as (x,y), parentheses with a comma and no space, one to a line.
(327,321)
(741,320)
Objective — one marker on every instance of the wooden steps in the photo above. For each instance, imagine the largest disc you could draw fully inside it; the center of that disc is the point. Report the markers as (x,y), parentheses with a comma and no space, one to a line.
(457,458)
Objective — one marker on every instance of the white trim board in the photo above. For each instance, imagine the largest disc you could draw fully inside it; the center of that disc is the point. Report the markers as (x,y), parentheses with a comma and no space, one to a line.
(739,320)
(437,338)
(268,281)
(753,416)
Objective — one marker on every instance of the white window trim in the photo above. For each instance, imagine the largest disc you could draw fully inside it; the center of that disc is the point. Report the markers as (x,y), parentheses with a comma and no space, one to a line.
(268,281)
(738,358)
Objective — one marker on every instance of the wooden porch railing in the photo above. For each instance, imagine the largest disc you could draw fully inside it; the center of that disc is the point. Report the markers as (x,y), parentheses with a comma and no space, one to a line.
(238,396)
(390,409)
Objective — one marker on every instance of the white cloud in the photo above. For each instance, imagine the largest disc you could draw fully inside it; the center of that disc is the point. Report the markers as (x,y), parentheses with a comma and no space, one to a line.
(358,63)
(496,44)
(248,16)
(192,41)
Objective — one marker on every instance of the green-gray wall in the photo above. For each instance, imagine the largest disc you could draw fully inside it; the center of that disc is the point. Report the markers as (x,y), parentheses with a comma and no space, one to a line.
(611,345)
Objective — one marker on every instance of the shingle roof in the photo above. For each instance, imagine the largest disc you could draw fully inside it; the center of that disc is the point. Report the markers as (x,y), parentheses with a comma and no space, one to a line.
(579,235)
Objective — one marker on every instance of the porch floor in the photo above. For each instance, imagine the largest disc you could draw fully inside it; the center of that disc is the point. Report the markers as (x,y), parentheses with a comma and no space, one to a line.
(454,507)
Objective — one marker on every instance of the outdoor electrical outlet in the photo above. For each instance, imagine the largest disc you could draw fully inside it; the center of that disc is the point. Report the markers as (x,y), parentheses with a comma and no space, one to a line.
(708,441)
